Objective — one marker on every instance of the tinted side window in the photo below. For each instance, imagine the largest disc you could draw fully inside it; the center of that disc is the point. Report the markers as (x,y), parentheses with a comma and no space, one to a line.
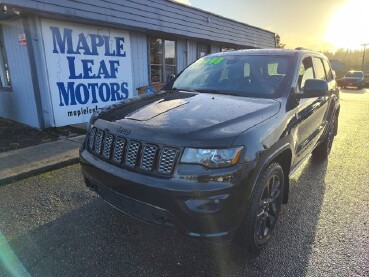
(319,69)
(328,71)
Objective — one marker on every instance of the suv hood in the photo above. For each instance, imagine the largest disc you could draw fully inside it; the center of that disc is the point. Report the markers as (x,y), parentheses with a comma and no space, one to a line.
(187,118)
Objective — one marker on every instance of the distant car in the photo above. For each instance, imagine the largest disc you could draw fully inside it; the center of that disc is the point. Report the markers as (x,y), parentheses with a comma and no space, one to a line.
(366,78)
(353,79)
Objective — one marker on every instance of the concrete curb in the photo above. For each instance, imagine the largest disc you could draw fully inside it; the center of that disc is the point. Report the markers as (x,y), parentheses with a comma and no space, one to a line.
(10,179)
(22,163)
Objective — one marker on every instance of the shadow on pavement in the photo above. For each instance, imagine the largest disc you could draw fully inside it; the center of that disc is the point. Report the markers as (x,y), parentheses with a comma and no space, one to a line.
(96,240)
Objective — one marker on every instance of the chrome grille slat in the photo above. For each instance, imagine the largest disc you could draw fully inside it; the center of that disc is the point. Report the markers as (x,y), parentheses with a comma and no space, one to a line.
(120,143)
(133,154)
(98,141)
(108,143)
(148,157)
(91,139)
(133,148)
(166,161)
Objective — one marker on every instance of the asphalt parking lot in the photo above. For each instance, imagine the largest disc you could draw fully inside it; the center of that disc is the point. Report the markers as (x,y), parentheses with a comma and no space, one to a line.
(51,225)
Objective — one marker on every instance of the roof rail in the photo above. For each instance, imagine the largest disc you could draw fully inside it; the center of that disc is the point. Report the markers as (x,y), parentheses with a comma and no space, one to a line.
(302,48)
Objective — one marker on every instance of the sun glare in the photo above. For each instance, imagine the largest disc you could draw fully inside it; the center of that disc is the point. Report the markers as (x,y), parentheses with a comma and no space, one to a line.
(348,26)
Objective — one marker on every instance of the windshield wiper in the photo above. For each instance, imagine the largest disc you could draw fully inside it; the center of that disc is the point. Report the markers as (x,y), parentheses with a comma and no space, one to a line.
(182,89)
(215,91)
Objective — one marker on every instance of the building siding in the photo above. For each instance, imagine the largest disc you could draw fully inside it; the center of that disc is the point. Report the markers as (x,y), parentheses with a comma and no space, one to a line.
(192,51)
(140,60)
(19,103)
(181,52)
(42,74)
(156,15)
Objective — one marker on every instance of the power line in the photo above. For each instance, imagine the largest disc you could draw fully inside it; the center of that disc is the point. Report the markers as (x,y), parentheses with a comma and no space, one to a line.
(362,64)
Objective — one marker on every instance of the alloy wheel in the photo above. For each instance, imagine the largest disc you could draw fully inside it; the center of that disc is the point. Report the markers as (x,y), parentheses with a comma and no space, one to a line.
(269,206)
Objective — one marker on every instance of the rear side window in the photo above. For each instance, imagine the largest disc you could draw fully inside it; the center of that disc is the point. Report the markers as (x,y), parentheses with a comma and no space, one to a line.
(328,71)
(319,69)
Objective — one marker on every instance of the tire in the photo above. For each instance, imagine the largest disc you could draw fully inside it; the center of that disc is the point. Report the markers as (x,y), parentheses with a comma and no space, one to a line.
(324,148)
(261,218)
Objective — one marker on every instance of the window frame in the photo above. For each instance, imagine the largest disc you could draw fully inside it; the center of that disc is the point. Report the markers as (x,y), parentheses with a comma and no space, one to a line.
(328,71)
(162,63)
(199,45)
(316,60)
(4,65)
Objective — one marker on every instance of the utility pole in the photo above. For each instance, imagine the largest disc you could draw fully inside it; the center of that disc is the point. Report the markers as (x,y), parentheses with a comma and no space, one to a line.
(362,64)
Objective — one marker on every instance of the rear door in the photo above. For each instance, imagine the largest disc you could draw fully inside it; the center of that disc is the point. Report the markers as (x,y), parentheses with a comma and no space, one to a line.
(332,89)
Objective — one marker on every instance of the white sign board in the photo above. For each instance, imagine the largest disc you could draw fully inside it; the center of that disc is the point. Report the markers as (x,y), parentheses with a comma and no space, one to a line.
(88,68)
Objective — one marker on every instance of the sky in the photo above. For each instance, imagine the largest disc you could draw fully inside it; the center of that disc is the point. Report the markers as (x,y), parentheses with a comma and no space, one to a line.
(315,24)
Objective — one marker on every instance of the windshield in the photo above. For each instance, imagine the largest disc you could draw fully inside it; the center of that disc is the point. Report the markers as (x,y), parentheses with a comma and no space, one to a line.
(242,75)
(357,74)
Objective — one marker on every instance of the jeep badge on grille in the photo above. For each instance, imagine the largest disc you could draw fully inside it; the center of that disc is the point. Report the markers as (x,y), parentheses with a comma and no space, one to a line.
(123,131)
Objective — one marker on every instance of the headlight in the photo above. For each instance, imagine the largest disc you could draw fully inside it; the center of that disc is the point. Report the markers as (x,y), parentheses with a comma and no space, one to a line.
(212,158)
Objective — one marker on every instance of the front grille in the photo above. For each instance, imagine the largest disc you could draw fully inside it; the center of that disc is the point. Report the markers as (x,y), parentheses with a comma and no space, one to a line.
(108,142)
(135,155)
(91,138)
(98,141)
(148,157)
(118,150)
(167,158)
(133,148)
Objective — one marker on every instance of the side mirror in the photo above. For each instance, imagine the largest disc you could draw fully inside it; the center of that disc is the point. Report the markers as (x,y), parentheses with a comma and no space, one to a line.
(315,88)
(171,77)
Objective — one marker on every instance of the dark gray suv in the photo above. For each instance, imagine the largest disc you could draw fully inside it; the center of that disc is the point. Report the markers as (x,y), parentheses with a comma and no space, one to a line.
(211,153)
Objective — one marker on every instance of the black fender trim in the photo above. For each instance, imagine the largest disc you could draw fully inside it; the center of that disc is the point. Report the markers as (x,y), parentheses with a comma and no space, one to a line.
(271,157)
(265,160)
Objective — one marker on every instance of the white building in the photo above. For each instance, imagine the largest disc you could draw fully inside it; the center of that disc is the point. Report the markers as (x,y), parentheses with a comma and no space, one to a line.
(61,59)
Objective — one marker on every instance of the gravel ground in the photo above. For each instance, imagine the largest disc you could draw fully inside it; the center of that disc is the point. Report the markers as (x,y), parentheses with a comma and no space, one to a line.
(51,225)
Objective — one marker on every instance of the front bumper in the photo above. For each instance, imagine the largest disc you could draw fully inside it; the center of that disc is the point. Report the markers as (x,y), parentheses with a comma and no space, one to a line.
(197,203)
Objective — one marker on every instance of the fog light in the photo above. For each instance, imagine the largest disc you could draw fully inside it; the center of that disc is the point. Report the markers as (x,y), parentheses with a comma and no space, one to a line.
(207,205)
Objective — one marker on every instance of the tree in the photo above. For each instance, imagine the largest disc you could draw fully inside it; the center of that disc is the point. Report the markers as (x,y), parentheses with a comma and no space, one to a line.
(278,42)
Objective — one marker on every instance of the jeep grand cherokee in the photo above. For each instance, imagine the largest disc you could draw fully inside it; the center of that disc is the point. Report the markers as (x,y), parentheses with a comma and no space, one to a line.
(211,153)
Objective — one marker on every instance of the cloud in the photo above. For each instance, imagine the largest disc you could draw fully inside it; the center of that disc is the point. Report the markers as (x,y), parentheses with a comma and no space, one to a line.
(187,2)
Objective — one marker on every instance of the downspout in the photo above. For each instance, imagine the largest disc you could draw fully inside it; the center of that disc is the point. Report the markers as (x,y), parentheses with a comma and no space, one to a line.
(33,70)
(188,53)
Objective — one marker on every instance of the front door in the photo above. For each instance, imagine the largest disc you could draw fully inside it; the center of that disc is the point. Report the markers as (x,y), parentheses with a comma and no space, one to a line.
(311,112)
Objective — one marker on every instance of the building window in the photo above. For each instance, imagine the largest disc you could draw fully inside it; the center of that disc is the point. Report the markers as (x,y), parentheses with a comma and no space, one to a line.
(162,60)
(225,49)
(4,69)
(202,50)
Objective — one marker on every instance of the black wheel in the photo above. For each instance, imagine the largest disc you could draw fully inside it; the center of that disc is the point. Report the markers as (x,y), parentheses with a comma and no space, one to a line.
(257,228)
(324,149)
